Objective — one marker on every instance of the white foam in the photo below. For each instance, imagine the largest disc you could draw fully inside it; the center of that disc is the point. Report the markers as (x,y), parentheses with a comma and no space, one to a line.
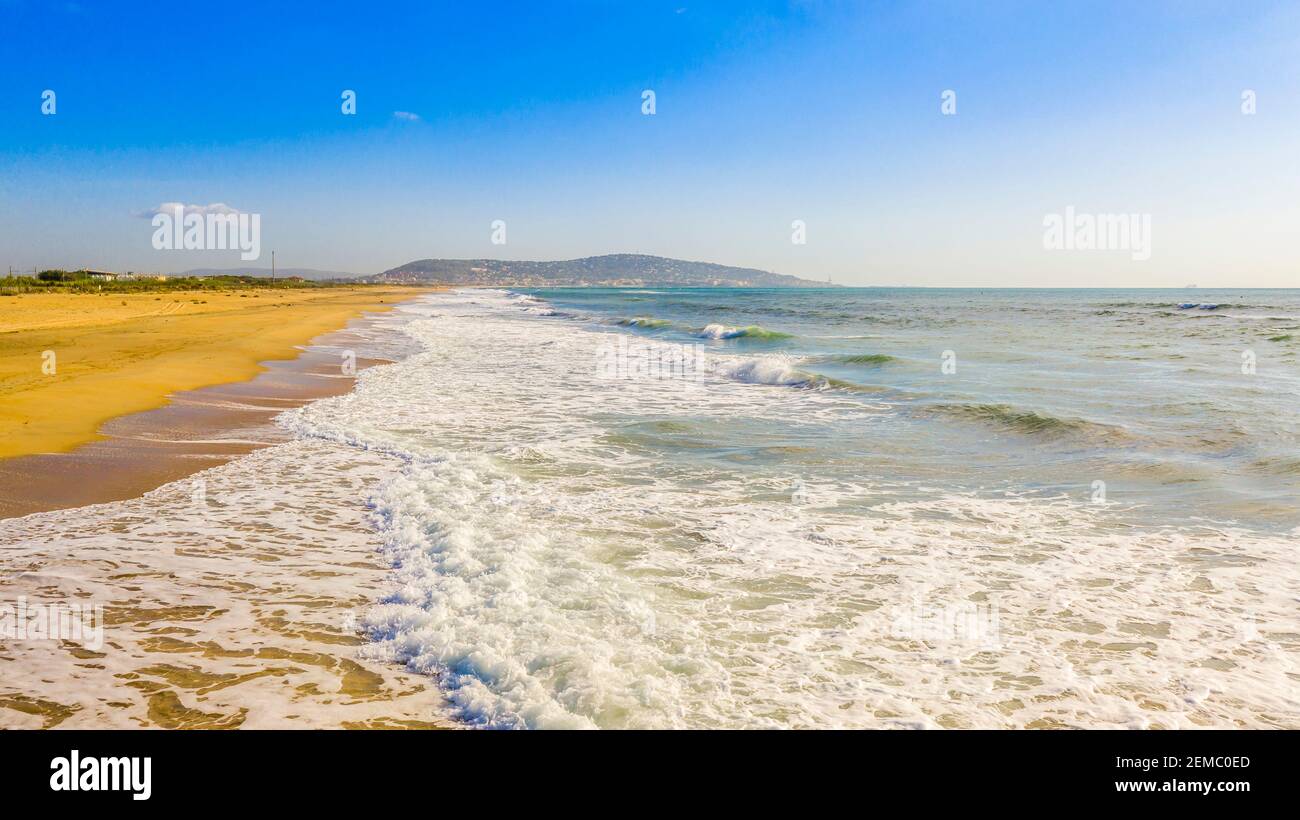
(554,570)
(719,331)
(776,369)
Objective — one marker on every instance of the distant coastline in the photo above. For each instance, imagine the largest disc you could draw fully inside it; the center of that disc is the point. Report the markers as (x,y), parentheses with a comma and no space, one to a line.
(611,270)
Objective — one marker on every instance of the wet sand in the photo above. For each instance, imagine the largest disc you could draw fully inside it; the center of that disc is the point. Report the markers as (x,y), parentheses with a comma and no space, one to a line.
(69,363)
(220,610)
(198,429)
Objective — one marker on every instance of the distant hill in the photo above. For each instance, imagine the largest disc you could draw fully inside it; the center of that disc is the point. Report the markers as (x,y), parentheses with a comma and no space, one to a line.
(305,273)
(613,270)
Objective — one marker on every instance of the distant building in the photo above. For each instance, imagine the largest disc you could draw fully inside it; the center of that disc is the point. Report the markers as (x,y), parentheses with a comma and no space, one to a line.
(103,275)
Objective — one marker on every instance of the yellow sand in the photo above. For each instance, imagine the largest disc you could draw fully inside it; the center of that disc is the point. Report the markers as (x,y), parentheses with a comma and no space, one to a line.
(115,354)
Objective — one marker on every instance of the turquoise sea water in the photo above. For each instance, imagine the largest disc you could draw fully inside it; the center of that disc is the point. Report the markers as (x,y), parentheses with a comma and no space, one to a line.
(1048,390)
(795,508)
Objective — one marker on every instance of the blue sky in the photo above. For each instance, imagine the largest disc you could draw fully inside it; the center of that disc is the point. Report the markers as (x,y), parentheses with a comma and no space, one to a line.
(766,113)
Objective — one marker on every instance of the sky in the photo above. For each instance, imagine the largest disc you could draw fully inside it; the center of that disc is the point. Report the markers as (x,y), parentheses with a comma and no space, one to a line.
(766,116)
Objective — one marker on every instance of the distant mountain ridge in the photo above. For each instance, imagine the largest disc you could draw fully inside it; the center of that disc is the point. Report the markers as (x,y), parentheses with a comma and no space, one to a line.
(611,270)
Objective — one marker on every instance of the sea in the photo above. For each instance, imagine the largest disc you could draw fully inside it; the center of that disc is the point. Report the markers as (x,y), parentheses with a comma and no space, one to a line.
(827,507)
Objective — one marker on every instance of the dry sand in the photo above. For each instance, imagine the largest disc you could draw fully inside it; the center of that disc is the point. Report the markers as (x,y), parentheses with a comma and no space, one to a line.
(195,430)
(115,354)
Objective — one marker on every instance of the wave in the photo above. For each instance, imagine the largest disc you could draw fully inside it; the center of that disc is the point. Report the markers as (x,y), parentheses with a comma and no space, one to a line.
(782,372)
(1031,422)
(719,331)
(1281,465)
(533,598)
(1210,306)
(767,371)
(873,359)
(646,322)
(1185,305)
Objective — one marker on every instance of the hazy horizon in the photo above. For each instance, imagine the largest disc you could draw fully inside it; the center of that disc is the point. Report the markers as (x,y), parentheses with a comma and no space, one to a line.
(827,121)
(294,270)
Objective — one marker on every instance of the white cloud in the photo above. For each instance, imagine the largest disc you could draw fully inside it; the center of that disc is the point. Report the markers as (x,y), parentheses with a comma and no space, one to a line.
(406,115)
(201,210)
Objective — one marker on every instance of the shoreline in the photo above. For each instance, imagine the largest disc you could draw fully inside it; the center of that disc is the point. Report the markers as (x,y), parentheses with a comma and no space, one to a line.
(69,363)
(195,430)
(215,612)
(228,614)
(188,429)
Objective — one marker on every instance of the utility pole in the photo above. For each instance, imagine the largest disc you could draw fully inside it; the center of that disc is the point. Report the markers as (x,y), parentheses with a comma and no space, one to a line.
(272,266)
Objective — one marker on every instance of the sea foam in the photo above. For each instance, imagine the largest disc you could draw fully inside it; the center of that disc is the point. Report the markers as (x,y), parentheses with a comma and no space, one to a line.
(552,569)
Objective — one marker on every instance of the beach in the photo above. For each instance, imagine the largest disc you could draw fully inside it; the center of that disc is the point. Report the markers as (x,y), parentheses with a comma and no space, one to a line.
(714,508)
(211,616)
(69,362)
(132,386)
(255,631)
